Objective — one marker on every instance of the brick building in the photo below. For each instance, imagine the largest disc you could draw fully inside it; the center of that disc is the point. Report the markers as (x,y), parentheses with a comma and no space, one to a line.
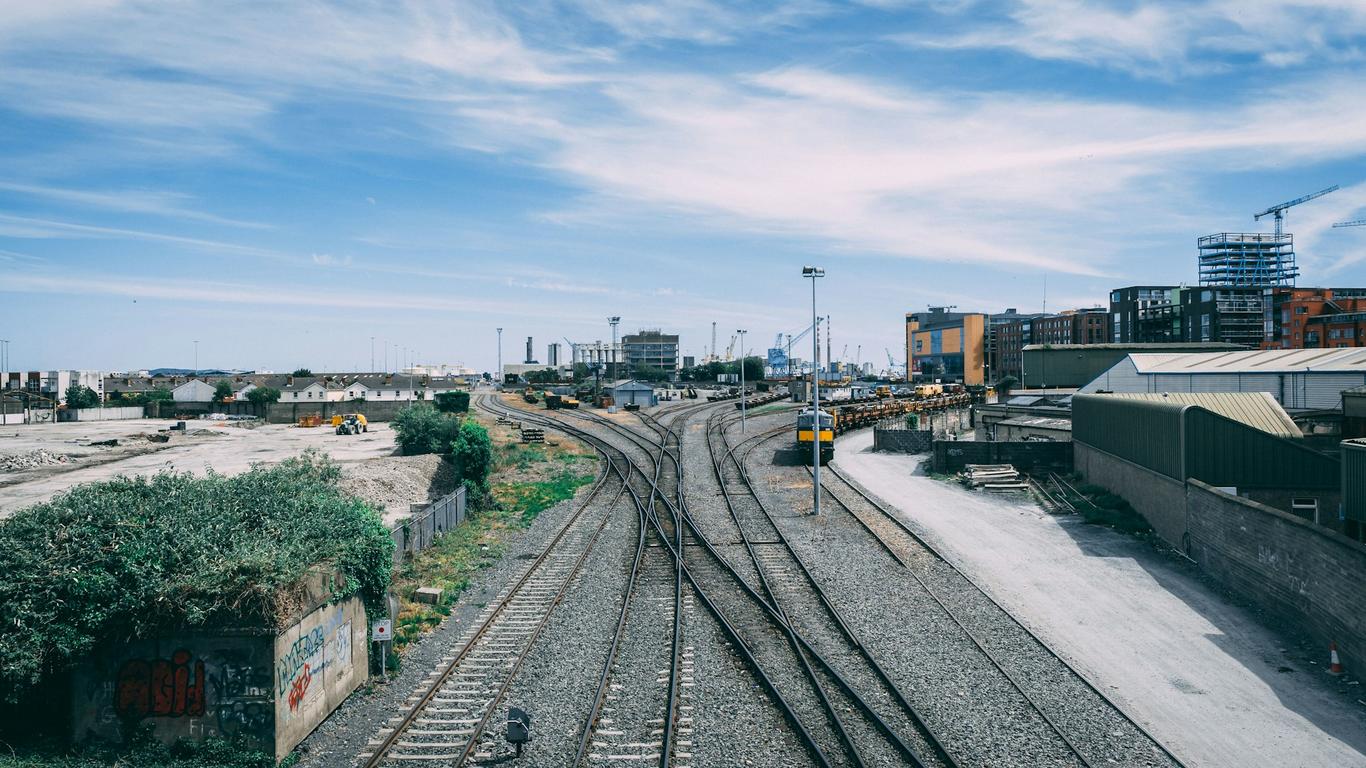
(1308,318)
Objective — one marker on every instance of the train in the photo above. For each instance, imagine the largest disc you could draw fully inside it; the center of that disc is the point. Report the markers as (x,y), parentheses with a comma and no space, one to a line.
(847,415)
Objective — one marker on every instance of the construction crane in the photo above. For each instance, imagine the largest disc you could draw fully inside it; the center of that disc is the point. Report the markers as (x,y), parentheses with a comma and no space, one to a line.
(858,357)
(794,339)
(1279,210)
(730,348)
(1357,223)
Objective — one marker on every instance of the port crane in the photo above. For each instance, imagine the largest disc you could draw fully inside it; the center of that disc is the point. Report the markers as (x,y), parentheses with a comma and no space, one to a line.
(1356,223)
(794,339)
(1278,210)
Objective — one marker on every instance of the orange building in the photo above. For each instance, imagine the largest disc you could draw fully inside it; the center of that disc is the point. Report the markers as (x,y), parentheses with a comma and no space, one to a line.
(947,345)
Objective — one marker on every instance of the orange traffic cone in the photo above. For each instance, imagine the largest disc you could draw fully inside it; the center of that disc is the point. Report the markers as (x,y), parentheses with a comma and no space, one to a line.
(1334,663)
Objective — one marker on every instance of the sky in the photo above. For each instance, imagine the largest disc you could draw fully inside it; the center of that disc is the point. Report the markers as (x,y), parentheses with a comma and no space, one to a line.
(284,182)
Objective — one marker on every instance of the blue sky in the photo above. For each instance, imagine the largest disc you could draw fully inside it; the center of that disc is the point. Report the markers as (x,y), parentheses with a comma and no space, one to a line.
(283,181)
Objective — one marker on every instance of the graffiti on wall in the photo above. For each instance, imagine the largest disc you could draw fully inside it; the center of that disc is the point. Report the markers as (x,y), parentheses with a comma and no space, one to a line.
(321,654)
(241,696)
(160,687)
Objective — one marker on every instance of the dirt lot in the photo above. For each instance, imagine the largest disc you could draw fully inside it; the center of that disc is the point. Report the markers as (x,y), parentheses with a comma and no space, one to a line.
(226,448)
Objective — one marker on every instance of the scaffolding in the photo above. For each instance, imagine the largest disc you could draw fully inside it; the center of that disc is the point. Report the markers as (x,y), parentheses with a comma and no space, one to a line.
(1247,259)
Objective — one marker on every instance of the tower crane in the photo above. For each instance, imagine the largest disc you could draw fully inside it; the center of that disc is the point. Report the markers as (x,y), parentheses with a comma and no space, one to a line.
(1357,223)
(1279,210)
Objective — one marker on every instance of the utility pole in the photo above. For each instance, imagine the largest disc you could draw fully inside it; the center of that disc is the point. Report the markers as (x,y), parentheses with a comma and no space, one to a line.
(372,354)
(498,376)
(614,374)
(196,355)
(742,378)
(813,273)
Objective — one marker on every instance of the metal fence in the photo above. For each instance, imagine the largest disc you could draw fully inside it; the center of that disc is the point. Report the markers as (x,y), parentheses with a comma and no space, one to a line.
(421,529)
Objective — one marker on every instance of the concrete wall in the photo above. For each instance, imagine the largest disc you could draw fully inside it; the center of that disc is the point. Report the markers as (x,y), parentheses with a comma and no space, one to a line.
(101,414)
(1160,499)
(953,455)
(185,686)
(289,413)
(269,690)
(318,663)
(1303,574)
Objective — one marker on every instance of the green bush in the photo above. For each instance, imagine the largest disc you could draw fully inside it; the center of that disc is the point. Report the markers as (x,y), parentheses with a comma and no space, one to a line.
(422,429)
(263,396)
(132,557)
(472,454)
(453,402)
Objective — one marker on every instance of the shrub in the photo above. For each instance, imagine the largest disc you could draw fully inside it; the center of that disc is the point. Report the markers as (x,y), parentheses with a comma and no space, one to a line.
(222,391)
(132,557)
(472,455)
(422,429)
(453,402)
(263,396)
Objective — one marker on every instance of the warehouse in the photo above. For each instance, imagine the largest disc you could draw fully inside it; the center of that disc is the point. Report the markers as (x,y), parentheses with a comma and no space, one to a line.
(1144,447)
(632,392)
(1298,379)
(1073,365)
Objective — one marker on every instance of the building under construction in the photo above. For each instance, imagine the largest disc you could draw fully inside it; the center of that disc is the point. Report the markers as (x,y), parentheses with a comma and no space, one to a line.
(1248,259)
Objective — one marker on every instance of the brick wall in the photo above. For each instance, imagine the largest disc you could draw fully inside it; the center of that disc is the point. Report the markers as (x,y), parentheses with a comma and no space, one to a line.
(953,455)
(1305,575)
(1160,499)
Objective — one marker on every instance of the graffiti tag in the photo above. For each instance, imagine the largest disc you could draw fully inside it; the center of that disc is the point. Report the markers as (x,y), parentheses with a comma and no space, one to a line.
(299,687)
(160,687)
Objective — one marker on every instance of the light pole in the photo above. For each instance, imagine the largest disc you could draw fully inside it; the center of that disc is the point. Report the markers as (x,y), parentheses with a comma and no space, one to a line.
(372,354)
(196,355)
(813,273)
(613,322)
(741,333)
(498,375)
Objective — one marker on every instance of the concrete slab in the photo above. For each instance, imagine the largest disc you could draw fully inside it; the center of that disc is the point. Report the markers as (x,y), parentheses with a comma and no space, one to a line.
(1210,681)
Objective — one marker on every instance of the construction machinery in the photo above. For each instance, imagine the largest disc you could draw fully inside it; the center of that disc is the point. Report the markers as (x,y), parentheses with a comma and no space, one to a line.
(350,424)
(1278,210)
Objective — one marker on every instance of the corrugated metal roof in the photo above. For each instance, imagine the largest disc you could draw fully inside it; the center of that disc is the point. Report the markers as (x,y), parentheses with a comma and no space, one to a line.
(1258,410)
(1253,361)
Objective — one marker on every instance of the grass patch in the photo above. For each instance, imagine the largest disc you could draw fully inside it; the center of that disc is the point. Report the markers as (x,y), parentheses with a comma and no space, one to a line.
(528,478)
(146,751)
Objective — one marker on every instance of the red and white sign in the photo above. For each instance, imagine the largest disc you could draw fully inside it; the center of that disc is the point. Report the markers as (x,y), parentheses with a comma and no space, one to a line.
(383,630)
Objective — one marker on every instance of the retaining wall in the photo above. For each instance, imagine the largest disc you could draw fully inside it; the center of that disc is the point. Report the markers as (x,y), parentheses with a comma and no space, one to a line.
(101,414)
(952,455)
(1160,499)
(1304,574)
(269,690)
(289,413)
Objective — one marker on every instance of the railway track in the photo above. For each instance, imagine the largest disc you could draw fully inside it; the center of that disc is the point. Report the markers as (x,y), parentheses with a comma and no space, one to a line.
(449,719)
(1052,686)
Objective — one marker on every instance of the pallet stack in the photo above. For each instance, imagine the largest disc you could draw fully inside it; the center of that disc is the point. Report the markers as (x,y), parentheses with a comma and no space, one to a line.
(994,478)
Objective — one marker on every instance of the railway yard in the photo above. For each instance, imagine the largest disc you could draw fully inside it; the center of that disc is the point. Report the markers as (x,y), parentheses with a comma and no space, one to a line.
(687,609)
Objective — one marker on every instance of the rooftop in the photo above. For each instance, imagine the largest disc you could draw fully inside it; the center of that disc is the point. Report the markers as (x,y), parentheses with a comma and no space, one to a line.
(1253,361)
(1258,410)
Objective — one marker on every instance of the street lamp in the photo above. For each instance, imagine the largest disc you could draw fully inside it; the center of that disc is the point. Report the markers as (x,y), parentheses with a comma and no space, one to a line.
(741,333)
(196,356)
(813,273)
(613,322)
(498,375)
(372,354)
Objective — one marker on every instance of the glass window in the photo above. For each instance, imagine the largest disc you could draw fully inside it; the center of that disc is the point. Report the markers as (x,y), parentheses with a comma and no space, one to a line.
(1300,310)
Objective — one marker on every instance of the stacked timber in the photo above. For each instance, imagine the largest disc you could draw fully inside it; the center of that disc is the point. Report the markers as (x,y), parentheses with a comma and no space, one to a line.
(994,478)
(533,435)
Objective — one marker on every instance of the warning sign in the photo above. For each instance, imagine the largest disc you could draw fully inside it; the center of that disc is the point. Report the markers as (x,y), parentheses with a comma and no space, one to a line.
(382,630)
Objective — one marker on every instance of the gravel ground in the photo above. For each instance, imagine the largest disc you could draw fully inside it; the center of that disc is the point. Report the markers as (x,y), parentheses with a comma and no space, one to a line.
(343,736)
(395,482)
(1098,728)
(973,709)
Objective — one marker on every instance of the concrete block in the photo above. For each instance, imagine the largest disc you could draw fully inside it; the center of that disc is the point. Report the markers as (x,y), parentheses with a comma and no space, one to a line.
(430,595)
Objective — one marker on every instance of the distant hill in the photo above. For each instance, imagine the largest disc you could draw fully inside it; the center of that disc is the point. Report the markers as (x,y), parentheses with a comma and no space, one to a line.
(193,372)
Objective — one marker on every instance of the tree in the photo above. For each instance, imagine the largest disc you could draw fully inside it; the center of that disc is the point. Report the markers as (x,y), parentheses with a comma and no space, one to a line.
(754,369)
(422,429)
(263,396)
(582,372)
(222,391)
(81,396)
(158,395)
(453,402)
(303,372)
(472,455)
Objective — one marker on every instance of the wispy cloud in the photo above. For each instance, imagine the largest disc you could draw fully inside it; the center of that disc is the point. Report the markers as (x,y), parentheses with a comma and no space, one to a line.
(45,229)
(1166,38)
(167,204)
